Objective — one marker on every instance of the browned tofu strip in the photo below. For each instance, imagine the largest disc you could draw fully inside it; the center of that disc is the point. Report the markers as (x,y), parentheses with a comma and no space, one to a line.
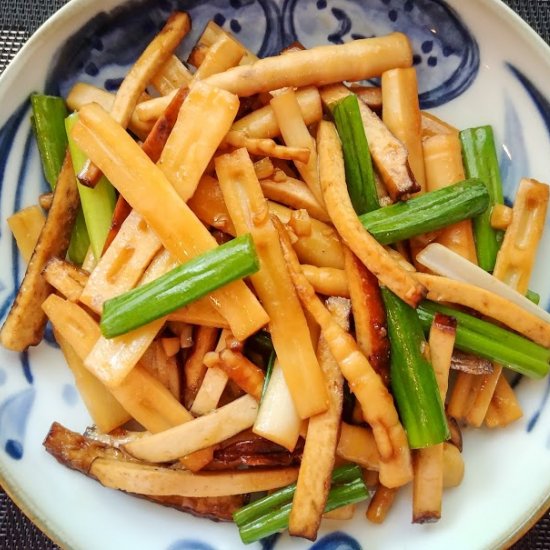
(25,323)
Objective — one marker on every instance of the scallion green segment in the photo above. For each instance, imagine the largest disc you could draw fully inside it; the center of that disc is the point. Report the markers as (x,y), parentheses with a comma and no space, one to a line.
(357,159)
(533,296)
(270,514)
(48,117)
(490,341)
(97,203)
(181,286)
(428,212)
(480,161)
(80,242)
(413,381)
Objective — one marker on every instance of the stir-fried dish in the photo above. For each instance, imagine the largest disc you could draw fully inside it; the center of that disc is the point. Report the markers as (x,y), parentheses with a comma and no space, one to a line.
(281,292)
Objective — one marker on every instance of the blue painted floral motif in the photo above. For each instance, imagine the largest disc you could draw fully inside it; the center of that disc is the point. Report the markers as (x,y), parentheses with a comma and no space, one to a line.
(336,541)
(190,544)
(14,413)
(440,38)
(438,35)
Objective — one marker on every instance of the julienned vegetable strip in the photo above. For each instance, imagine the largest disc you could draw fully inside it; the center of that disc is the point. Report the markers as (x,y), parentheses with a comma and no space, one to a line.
(179,287)
(413,381)
(98,202)
(487,340)
(480,161)
(358,163)
(48,118)
(428,212)
(48,115)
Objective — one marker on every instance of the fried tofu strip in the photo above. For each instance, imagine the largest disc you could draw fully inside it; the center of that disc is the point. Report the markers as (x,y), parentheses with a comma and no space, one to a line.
(442,289)
(278,419)
(388,153)
(66,278)
(428,462)
(123,264)
(501,217)
(83,93)
(402,116)
(376,401)
(357,444)
(294,194)
(172,75)
(262,123)
(318,456)
(504,407)
(369,314)
(356,60)
(434,126)
(296,134)
(288,326)
(194,368)
(197,434)
(144,479)
(149,192)
(79,453)
(24,325)
(367,249)
(443,163)
(192,143)
(26,226)
(213,33)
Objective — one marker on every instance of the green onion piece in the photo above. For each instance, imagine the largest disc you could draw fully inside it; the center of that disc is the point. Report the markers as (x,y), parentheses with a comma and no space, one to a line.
(427,212)
(480,161)
(48,120)
(97,203)
(179,287)
(80,242)
(413,382)
(533,296)
(273,522)
(268,373)
(357,159)
(490,341)
(265,505)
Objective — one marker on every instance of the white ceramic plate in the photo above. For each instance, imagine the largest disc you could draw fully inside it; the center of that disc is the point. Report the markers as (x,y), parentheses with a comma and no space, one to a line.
(478,64)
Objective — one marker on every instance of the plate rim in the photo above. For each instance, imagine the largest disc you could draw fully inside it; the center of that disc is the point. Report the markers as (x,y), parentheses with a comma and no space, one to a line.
(24,502)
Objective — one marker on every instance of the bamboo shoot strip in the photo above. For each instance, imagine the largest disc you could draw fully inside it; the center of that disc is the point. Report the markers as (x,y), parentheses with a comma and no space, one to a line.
(181,286)
(289,331)
(355,60)
(480,161)
(413,379)
(147,190)
(487,340)
(97,203)
(359,172)
(428,212)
